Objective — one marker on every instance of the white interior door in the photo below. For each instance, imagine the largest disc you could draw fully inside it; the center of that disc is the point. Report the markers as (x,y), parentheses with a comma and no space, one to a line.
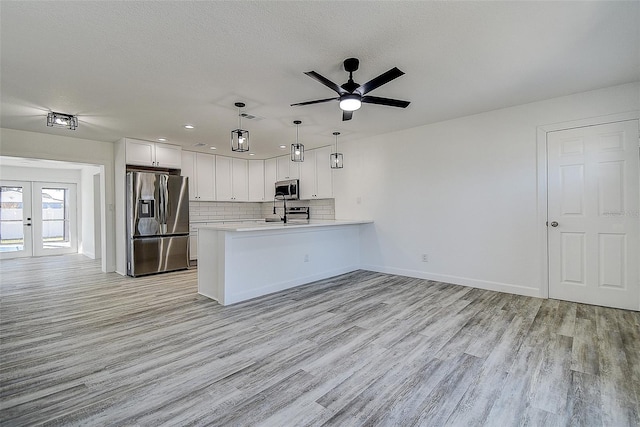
(54,219)
(15,219)
(593,215)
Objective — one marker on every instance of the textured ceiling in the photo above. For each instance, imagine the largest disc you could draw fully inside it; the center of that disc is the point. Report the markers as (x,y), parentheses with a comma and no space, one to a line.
(144,69)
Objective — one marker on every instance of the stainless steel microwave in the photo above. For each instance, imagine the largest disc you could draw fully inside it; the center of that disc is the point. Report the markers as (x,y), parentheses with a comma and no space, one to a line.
(289,189)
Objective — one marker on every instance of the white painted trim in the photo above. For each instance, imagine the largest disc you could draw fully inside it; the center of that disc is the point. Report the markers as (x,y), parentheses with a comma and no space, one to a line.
(541,166)
(456,280)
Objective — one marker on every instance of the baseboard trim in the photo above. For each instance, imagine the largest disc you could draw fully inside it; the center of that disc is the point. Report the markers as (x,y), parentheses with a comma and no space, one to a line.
(456,280)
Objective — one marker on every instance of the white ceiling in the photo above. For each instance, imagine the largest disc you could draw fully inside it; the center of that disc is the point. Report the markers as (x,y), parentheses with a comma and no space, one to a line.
(143,69)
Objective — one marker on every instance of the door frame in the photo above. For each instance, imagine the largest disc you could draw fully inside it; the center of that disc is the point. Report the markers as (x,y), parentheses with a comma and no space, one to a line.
(38,221)
(541,168)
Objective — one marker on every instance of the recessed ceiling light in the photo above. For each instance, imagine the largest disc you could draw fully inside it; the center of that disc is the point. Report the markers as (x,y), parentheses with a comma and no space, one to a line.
(213,148)
(162,139)
(188,126)
(252,154)
(283,146)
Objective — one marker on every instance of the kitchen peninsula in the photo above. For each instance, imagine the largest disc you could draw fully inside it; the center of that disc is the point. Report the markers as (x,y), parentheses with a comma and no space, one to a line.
(238,262)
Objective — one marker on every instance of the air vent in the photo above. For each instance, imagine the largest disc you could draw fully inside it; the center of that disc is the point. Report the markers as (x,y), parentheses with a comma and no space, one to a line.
(199,144)
(250,116)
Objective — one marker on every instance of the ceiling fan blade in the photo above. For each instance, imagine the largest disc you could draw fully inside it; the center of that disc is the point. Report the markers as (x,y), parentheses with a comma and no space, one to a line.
(325,81)
(376,82)
(346,115)
(317,101)
(385,101)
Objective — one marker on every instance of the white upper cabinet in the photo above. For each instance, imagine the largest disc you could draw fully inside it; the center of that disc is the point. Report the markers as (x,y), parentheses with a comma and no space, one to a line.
(200,168)
(232,179)
(270,178)
(315,174)
(256,181)
(146,153)
(240,180)
(189,170)
(286,169)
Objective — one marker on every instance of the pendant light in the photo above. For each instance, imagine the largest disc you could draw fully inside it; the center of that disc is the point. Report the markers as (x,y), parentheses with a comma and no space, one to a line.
(239,137)
(336,158)
(297,149)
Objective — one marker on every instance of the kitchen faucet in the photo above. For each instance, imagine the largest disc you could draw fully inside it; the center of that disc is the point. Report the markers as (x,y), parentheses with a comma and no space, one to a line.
(284,203)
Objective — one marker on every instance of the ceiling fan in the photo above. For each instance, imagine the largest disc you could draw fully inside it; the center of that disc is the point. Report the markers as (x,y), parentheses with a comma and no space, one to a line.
(352,94)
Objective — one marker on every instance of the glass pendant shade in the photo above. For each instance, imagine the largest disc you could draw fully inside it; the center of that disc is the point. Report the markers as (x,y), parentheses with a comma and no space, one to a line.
(239,140)
(336,158)
(239,137)
(297,149)
(336,161)
(297,153)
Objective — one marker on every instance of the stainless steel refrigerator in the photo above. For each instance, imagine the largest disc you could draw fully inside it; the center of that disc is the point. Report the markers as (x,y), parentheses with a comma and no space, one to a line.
(157,223)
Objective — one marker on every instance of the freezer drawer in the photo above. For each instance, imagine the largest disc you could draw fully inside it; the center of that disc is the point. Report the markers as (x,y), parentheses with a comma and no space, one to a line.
(157,254)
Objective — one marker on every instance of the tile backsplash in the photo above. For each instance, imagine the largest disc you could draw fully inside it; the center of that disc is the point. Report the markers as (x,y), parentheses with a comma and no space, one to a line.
(202,211)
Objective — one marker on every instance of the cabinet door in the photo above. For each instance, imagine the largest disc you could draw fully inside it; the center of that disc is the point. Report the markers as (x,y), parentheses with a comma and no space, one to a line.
(308,176)
(189,170)
(324,177)
(141,153)
(282,170)
(168,156)
(224,192)
(205,176)
(240,180)
(256,180)
(270,177)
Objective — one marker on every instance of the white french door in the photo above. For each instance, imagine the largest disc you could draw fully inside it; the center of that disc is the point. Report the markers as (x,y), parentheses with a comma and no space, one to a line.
(593,215)
(37,219)
(15,219)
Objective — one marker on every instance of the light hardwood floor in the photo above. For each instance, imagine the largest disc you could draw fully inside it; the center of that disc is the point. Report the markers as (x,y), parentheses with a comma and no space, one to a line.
(81,347)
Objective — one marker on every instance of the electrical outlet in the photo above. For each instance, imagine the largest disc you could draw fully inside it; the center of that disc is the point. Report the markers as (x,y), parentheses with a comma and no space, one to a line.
(306,258)
(425,258)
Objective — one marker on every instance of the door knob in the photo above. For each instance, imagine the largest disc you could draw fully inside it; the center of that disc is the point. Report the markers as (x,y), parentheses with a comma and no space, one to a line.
(554,223)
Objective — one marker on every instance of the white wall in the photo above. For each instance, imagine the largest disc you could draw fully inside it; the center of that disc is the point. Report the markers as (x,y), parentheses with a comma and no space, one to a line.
(36,145)
(463,191)
(87,213)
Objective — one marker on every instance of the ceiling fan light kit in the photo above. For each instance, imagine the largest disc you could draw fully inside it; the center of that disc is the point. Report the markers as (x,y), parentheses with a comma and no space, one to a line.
(351,95)
(350,102)
(239,137)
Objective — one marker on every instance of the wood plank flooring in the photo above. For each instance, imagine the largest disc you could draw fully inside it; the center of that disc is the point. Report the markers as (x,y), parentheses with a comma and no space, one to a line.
(81,347)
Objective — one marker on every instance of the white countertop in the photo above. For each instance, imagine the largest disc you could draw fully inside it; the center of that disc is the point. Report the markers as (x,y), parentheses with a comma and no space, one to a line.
(210,221)
(261,226)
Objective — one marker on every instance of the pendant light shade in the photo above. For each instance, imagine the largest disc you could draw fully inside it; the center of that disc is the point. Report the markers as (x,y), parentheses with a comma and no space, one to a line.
(297,149)
(336,158)
(239,137)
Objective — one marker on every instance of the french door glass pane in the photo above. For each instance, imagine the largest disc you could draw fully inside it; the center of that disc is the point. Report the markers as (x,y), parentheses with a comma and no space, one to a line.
(11,228)
(55,218)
